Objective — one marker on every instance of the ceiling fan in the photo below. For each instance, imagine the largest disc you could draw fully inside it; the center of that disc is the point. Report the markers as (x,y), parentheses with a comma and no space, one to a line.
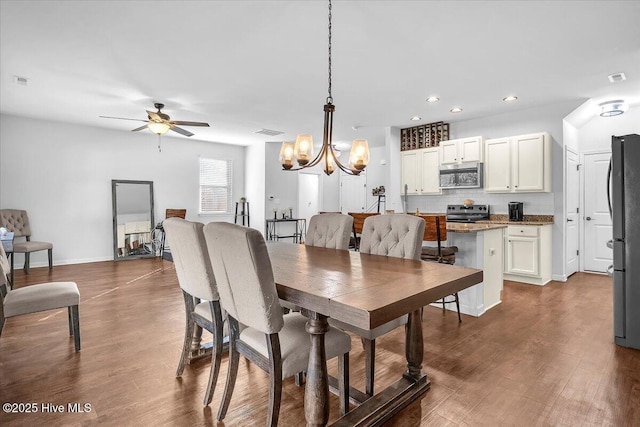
(160,123)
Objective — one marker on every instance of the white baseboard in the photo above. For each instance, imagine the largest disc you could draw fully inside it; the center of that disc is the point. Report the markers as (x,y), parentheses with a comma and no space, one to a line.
(559,277)
(18,264)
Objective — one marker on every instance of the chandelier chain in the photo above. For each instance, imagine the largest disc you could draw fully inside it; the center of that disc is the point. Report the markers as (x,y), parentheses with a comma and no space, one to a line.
(330,97)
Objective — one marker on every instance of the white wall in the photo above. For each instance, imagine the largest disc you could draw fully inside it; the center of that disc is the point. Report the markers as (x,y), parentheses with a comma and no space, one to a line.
(255,184)
(596,133)
(61,174)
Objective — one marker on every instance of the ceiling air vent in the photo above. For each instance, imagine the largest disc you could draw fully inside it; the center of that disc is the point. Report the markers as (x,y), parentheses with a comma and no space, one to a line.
(617,77)
(269,132)
(19,80)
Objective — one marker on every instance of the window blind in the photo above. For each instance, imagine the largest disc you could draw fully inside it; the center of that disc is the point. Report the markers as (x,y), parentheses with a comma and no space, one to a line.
(216,188)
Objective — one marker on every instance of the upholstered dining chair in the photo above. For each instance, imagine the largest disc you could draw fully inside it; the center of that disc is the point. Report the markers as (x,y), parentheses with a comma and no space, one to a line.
(18,221)
(198,284)
(41,297)
(329,230)
(275,342)
(435,230)
(394,235)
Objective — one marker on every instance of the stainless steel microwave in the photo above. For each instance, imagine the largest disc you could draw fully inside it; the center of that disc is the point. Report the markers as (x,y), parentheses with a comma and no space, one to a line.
(467,175)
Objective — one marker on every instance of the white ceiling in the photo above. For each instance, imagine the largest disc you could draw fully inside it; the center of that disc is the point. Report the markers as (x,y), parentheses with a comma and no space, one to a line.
(246,65)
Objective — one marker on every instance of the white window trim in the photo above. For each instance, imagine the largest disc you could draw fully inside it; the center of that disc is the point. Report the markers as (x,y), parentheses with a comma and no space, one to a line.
(229,210)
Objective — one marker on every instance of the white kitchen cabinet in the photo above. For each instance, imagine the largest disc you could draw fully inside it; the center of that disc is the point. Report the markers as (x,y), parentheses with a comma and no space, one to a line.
(420,171)
(518,164)
(464,150)
(528,254)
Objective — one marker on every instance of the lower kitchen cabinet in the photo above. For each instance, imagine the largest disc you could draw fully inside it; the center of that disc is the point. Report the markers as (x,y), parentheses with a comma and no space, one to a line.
(527,251)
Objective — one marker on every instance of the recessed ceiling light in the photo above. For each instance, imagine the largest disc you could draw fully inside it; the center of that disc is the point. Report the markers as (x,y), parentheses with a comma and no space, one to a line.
(456,109)
(613,108)
(415,118)
(433,99)
(509,98)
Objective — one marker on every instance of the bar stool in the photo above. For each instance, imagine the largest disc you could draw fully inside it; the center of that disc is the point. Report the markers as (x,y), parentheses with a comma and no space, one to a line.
(435,230)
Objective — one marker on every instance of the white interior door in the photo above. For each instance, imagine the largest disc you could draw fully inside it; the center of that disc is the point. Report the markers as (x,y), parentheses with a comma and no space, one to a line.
(572,234)
(308,195)
(353,193)
(596,220)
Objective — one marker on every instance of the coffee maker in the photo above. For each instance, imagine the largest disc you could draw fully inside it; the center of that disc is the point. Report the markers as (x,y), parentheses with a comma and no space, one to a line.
(516,211)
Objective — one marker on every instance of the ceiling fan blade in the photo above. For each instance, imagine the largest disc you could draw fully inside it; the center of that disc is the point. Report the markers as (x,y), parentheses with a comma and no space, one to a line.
(183,123)
(180,130)
(140,128)
(154,116)
(122,118)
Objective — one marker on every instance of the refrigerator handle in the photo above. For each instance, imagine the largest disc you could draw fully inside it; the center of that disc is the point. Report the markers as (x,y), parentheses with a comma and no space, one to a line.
(609,189)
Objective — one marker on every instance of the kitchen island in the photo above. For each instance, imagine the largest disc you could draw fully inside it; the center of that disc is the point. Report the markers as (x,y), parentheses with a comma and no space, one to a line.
(479,246)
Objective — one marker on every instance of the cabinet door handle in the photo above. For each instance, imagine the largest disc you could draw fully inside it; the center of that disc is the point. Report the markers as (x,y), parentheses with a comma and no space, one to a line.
(569,220)
(588,218)
(507,186)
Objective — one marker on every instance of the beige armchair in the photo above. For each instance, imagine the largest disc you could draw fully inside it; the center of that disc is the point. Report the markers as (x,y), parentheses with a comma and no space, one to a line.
(398,236)
(275,342)
(201,300)
(35,298)
(17,221)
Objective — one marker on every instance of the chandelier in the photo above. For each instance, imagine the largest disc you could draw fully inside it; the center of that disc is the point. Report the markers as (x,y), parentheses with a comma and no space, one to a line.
(302,150)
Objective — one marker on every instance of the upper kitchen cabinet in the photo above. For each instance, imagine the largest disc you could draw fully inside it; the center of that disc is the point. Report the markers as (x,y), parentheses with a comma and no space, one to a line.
(464,150)
(420,171)
(518,164)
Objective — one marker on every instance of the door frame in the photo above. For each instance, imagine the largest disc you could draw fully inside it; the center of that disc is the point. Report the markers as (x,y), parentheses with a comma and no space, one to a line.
(582,208)
(320,189)
(566,209)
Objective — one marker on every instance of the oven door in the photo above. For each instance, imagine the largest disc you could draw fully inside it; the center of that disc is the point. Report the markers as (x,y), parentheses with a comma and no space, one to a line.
(461,176)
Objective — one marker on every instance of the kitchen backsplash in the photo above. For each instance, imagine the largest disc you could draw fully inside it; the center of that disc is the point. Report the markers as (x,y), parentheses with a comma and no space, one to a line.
(534,203)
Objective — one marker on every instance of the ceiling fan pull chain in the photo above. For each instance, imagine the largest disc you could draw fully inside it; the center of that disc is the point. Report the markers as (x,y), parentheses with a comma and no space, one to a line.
(159,140)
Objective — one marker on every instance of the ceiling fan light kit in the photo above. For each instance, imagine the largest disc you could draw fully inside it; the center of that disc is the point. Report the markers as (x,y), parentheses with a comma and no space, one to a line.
(302,150)
(160,123)
(159,128)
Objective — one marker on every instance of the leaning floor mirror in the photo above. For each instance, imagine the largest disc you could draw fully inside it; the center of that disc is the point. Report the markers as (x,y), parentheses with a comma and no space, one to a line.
(132,219)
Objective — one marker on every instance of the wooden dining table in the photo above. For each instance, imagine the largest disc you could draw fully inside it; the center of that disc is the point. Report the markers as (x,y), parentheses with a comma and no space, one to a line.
(365,291)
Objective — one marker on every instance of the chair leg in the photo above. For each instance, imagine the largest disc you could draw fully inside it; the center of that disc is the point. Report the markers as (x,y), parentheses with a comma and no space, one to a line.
(299,379)
(188,333)
(70,321)
(458,306)
(343,382)
(2,319)
(369,365)
(275,374)
(216,354)
(26,262)
(50,258)
(232,373)
(75,315)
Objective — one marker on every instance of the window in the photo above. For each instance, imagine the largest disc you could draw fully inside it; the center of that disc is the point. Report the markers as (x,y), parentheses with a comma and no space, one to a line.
(215,185)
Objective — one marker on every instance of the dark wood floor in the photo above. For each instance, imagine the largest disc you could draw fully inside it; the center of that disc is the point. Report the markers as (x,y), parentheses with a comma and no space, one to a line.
(545,356)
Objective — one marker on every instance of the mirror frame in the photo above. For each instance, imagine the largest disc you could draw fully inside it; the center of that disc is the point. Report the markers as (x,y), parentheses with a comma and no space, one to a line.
(114,184)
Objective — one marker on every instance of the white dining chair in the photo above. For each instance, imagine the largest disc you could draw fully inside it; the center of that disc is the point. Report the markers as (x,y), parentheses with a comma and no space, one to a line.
(198,284)
(275,342)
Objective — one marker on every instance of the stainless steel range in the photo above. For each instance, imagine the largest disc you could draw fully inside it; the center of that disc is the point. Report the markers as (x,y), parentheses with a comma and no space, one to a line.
(461,213)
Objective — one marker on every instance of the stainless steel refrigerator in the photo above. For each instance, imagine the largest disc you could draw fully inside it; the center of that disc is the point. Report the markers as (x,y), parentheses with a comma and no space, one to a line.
(624,206)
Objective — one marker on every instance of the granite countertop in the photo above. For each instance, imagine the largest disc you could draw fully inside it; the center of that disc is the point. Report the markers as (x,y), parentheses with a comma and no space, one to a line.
(528,220)
(464,227)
